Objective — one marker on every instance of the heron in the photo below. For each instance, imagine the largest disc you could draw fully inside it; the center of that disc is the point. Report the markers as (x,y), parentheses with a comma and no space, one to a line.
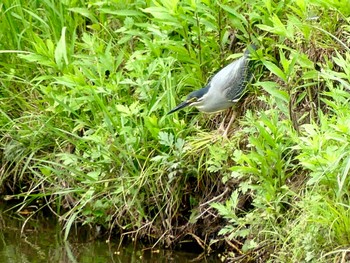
(224,89)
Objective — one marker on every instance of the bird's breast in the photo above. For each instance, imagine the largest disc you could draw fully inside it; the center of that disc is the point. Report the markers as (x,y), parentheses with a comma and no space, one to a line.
(215,105)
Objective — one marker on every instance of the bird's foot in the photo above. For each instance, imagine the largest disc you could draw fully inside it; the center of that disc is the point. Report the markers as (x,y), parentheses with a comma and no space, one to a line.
(226,132)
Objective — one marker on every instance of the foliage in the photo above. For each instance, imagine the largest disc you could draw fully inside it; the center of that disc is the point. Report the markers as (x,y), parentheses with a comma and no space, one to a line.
(83,127)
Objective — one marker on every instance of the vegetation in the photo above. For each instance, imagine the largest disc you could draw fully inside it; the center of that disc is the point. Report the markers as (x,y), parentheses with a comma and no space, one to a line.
(85,88)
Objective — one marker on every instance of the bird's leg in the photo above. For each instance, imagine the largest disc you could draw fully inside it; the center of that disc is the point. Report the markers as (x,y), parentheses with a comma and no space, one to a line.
(222,125)
(233,117)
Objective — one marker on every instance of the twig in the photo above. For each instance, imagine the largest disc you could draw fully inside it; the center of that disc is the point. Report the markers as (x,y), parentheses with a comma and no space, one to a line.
(215,198)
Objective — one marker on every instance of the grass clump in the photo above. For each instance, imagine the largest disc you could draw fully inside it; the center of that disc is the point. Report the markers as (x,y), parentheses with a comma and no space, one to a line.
(85,92)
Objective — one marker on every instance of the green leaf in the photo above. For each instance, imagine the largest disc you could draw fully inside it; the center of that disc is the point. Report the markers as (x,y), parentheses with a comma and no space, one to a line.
(122,12)
(84,12)
(151,123)
(61,49)
(161,13)
(123,109)
(280,29)
(166,139)
(275,70)
(271,88)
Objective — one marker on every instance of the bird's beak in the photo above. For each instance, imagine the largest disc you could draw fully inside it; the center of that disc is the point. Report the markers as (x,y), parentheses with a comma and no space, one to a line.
(179,107)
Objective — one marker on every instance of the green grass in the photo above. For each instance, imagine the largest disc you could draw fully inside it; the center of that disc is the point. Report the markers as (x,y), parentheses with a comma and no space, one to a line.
(85,88)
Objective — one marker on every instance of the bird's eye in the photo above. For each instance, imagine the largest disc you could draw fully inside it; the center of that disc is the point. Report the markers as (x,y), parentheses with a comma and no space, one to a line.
(193,99)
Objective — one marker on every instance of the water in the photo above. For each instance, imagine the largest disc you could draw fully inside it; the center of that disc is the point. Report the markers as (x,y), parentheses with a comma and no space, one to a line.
(40,240)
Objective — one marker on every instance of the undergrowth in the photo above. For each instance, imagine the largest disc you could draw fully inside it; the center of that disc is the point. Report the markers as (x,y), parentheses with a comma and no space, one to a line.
(85,88)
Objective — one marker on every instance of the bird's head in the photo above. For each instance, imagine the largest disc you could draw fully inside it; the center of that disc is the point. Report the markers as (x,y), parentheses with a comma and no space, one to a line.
(195,98)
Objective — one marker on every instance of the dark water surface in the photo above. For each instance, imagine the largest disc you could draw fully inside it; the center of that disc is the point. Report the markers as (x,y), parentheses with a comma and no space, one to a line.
(41,240)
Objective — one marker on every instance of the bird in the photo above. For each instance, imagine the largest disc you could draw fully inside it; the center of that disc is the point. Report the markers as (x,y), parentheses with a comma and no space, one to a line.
(224,89)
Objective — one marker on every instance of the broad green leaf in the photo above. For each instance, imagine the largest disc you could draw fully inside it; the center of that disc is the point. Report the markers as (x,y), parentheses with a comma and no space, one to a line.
(272,88)
(275,70)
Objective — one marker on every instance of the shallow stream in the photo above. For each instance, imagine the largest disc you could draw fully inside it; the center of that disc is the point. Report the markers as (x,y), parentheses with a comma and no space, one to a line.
(40,239)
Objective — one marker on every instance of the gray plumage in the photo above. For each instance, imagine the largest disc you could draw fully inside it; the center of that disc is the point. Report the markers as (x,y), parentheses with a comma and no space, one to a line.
(224,89)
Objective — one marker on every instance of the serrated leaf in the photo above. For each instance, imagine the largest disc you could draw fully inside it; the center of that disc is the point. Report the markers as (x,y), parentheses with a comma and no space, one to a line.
(123,109)
(166,139)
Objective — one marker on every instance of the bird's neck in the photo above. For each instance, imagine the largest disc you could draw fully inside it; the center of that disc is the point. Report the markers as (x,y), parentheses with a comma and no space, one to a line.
(203,91)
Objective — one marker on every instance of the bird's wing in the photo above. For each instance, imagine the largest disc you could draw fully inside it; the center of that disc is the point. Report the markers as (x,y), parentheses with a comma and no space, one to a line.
(232,80)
